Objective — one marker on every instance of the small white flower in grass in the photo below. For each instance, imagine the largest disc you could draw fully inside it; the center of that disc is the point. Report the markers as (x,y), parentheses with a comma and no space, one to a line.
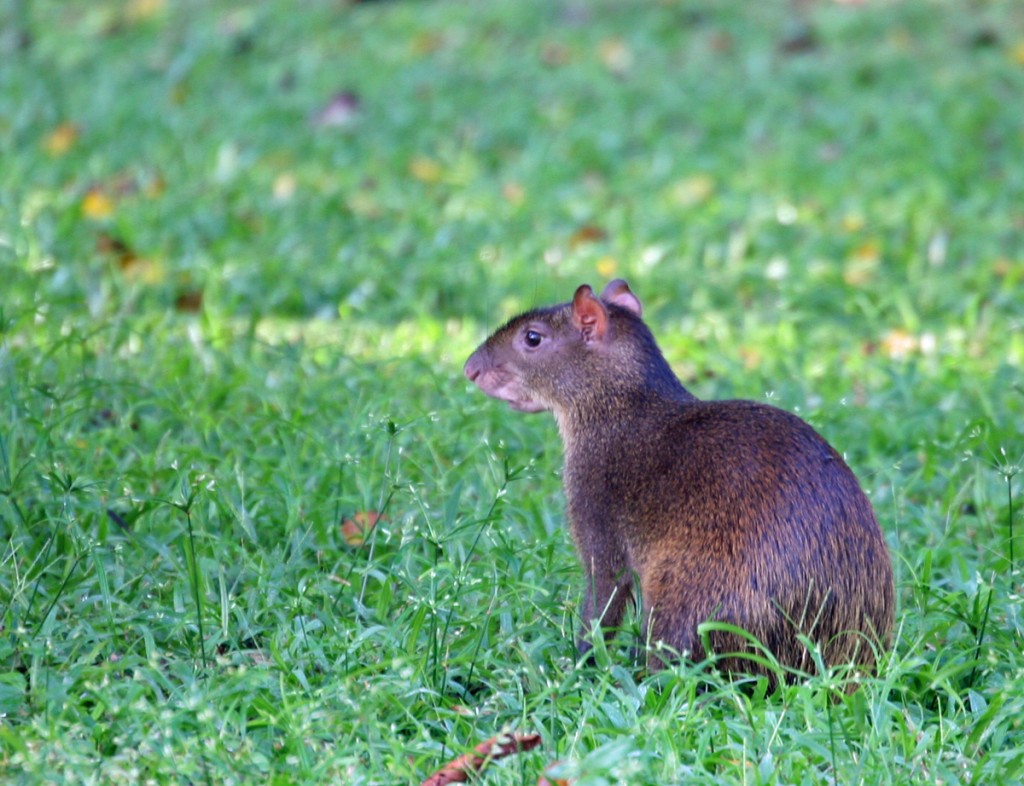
(651,256)
(786,214)
(776,269)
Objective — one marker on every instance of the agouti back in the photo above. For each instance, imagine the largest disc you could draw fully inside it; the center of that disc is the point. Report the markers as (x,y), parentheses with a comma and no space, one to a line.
(729,511)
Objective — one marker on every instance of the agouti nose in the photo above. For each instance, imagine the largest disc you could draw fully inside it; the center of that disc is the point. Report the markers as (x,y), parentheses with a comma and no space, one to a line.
(473,366)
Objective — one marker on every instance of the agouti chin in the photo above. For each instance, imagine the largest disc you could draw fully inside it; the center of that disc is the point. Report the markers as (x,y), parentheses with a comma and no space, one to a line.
(729,511)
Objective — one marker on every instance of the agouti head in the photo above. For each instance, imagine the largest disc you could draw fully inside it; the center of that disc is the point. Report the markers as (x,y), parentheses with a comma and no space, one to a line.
(576,357)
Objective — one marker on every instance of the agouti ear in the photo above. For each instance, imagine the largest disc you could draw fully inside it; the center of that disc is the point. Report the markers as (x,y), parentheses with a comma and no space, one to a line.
(589,314)
(619,293)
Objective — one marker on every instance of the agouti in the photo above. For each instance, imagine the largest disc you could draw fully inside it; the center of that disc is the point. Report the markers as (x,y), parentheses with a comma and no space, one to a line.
(729,511)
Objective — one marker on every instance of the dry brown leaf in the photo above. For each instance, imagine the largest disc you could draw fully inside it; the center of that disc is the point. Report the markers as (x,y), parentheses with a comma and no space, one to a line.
(459,770)
(358,528)
(555,54)
(545,780)
(189,301)
(898,344)
(588,233)
(131,265)
(61,139)
(514,193)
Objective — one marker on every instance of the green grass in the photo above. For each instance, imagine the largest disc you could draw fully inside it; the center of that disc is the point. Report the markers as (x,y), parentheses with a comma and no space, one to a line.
(225,329)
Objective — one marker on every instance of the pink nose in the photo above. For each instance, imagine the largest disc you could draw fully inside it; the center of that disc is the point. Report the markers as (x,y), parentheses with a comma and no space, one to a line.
(474,366)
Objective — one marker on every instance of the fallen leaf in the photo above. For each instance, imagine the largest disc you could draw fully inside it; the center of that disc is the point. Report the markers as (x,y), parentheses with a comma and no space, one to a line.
(141,10)
(546,780)
(853,222)
(358,528)
(1003,267)
(97,205)
(860,267)
(427,42)
(693,190)
(588,233)
(752,359)
(607,266)
(720,41)
(459,770)
(61,139)
(555,54)
(899,344)
(426,170)
(133,266)
(800,39)
(1017,53)
(363,203)
(189,301)
(155,186)
(616,56)
(514,193)
(111,245)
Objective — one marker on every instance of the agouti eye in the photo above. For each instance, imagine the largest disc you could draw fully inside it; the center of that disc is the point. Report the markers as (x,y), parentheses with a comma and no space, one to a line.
(533,339)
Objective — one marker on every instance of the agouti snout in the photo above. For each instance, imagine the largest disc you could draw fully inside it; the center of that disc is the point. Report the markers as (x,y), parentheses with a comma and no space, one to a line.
(729,511)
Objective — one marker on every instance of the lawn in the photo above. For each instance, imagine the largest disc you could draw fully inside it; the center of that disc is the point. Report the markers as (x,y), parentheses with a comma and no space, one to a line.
(245,249)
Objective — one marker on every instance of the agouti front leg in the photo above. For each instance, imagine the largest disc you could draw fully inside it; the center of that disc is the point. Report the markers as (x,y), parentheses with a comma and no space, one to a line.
(604,604)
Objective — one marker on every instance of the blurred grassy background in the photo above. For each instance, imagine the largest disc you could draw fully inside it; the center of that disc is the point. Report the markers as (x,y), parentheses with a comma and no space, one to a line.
(245,249)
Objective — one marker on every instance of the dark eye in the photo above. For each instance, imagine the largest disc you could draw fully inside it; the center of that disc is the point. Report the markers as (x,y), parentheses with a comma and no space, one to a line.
(533,339)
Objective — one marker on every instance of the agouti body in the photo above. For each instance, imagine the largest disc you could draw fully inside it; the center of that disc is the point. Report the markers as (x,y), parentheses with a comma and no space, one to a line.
(730,511)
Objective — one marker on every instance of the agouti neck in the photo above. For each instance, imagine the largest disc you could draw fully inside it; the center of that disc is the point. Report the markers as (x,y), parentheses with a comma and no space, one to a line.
(643,392)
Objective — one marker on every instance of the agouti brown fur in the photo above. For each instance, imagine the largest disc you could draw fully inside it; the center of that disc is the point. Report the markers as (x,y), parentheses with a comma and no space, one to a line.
(729,511)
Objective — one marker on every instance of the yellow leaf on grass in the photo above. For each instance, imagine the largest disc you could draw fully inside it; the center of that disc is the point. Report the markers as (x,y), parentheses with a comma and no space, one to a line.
(853,222)
(426,170)
(132,266)
(616,55)
(141,10)
(97,205)
(607,266)
(155,186)
(1017,53)
(363,203)
(60,140)
(863,262)
(693,190)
